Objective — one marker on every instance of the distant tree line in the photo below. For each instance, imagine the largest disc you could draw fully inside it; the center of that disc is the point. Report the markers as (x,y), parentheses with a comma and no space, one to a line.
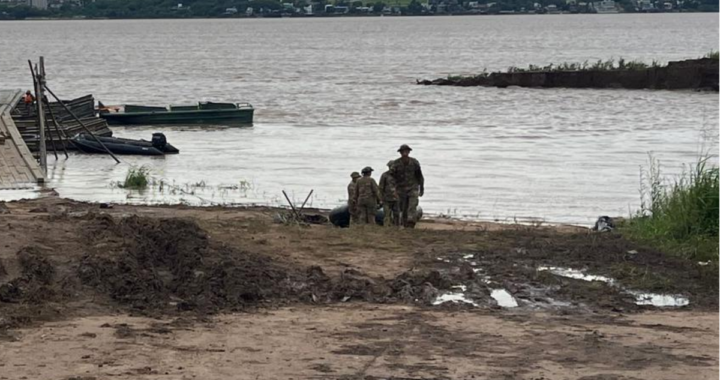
(218,8)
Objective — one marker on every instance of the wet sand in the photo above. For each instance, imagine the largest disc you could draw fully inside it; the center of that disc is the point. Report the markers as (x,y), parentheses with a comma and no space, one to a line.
(308,302)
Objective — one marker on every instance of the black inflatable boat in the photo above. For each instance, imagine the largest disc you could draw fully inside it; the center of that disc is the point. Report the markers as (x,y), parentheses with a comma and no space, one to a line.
(157,147)
(340,217)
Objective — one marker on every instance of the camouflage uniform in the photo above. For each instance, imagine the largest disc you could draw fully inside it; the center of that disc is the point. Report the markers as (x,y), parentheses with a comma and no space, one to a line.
(390,198)
(409,181)
(368,196)
(352,206)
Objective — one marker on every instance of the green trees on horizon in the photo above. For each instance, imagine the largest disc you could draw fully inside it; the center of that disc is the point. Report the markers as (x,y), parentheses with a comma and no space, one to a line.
(216,8)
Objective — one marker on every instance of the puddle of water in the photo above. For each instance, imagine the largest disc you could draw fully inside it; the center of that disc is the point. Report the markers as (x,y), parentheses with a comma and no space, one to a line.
(8,195)
(503,298)
(576,274)
(660,300)
(641,298)
(453,297)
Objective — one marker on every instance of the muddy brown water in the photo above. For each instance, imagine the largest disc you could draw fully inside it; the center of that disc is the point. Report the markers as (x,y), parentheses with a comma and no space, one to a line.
(335,95)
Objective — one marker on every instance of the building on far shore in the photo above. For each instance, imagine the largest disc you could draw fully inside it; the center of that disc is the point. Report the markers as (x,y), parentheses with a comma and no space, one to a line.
(39,4)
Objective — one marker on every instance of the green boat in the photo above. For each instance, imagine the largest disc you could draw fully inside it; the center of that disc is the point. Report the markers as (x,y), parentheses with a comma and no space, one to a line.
(202,113)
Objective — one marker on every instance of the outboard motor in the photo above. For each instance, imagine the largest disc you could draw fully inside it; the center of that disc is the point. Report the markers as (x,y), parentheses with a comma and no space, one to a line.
(159,141)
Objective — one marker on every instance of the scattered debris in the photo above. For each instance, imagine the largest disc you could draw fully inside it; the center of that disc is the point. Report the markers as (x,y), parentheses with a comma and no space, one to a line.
(604,224)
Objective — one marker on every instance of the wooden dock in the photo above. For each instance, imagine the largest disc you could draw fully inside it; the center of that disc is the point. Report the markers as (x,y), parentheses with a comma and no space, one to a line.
(18,167)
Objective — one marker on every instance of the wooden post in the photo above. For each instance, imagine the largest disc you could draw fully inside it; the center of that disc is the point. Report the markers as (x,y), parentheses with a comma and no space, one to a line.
(39,95)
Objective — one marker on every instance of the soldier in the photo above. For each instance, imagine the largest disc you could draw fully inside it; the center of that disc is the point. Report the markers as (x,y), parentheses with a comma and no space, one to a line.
(29,100)
(352,206)
(410,185)
(389,195)
(367,195)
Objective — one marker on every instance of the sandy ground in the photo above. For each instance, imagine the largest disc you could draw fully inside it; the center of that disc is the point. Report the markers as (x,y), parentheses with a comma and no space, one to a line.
(368,341)
(84,333)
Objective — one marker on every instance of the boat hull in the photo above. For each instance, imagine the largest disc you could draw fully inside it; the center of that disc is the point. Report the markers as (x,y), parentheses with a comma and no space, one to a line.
(340,216)
(234,116)
(121,146)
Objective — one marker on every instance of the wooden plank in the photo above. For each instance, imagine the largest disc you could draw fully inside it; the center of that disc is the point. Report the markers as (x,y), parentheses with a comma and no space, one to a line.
(19,164)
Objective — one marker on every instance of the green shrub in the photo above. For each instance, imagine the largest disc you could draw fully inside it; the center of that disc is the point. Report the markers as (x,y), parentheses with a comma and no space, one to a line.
(679,216)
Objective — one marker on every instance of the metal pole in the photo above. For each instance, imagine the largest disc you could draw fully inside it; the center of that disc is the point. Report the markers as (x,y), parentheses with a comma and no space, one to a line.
(60,134)
(39,94)
(42,100)
(291,205)
(81,124)
(306,199)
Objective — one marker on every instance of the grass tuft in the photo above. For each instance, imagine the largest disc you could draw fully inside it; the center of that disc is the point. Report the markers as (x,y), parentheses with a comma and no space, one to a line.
(679,216)
(713,54)
(136,178)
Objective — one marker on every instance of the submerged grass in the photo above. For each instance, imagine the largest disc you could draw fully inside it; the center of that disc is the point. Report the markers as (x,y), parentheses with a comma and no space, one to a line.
(679,216)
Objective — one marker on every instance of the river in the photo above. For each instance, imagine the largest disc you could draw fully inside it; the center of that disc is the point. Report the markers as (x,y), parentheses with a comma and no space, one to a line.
(335,95)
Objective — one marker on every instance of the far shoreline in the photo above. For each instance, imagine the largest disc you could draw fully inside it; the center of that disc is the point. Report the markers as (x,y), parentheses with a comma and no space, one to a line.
(83,18)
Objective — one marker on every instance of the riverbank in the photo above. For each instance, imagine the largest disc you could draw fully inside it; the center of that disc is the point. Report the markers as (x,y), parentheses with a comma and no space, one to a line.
(691,74)
(317,300)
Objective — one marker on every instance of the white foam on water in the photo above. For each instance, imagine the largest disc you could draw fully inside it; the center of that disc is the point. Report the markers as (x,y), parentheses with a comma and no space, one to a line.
(470,256)
(461,287)
(660,300)
(576,274)
(453,297)
(503,298)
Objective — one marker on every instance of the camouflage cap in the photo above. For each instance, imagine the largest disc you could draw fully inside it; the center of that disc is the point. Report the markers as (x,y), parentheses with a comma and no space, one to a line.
(404,147)
(355,175)
(367,169)
(390,163)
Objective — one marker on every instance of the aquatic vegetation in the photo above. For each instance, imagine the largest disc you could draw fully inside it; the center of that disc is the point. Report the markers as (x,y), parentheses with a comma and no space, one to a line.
(483,74)
(600,65)
(136,178)
(679,215)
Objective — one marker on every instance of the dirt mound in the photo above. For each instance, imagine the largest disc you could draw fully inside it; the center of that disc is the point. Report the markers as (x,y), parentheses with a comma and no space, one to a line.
(35,283)
(154,264)
(409,287)
(165,264)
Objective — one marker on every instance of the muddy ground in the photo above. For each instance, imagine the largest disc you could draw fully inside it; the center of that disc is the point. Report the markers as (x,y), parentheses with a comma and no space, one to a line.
(225,293)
